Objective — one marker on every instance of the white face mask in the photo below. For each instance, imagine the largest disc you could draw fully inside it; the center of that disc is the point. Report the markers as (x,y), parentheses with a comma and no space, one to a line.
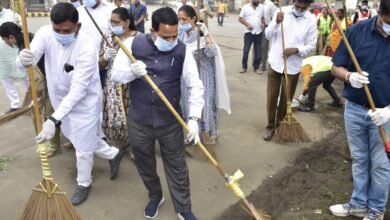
(164,45)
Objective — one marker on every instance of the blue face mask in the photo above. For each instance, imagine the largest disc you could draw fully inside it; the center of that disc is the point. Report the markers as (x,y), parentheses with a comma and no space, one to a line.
(65,39)
(386,28)
(90,3)
(118,30)
(163,45)
(76,4)
(298,13)
(185,27)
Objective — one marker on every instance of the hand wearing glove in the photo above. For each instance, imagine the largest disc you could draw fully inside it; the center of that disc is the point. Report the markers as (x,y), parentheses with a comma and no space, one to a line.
(109,53)
(203,28)
(26,57)
(47,133)
(380,116)
(193,134)
(357,81)
(138,69)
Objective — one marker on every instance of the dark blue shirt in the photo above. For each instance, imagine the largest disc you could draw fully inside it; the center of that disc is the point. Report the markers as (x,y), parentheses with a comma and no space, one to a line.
(137,12)
(372,51)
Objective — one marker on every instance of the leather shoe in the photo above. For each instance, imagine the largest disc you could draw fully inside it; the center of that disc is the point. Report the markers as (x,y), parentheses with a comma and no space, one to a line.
(114,164)
(268,135)
(80,195)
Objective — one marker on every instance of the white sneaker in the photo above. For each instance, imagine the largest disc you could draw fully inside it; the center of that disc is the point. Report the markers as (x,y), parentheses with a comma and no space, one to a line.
(343,210)
(372,215)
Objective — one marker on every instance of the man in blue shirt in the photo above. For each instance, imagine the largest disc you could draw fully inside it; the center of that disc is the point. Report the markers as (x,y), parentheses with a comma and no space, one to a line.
(138,11)
(370,41)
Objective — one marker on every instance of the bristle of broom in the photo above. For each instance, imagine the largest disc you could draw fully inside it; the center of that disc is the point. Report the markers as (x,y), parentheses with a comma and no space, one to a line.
(42,206)
(260,214)
(290,131)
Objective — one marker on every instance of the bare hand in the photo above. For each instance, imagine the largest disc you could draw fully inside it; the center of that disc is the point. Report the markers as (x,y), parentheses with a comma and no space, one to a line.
(290,51)
(279,17)
(250,27)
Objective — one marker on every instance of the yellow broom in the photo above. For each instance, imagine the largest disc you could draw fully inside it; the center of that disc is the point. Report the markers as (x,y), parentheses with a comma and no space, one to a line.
(231,181)
(48,201)
(289,129)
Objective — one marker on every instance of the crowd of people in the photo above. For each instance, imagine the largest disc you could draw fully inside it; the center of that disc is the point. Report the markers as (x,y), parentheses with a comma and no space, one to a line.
(96,95)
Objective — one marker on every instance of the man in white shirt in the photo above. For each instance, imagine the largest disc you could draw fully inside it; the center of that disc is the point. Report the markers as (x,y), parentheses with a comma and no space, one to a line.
(72,75)
(269,11)
(300,39)
(168,63)
(252,17)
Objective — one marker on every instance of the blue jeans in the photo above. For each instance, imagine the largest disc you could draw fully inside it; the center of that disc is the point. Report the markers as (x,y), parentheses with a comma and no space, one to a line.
(370,165)
(250,38)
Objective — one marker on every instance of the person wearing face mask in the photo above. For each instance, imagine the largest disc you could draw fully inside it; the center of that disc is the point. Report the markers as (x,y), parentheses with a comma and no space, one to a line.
(8,71)
(252,17)
(168,63)
(71,64)
(370,41)
(139,13)
(300,38)
(211,70)
(114,114)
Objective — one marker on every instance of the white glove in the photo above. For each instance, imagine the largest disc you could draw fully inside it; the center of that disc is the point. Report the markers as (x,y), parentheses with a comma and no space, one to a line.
(138,68)
(380,116)
(109,53)
(357,81)
(26,57)
(203,28)
(47,133)
(302,98)
(193,134)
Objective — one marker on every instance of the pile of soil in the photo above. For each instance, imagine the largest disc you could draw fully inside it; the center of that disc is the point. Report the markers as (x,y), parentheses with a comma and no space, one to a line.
(319,177)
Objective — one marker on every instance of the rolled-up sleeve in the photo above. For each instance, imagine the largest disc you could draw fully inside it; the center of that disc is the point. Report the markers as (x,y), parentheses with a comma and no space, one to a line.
(194,86)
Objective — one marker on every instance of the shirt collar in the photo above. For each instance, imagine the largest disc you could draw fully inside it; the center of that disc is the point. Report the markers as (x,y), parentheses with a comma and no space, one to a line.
(377,26)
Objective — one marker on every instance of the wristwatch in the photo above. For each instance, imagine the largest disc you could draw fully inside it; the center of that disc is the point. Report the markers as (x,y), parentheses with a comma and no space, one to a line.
(56,122)
(193,118)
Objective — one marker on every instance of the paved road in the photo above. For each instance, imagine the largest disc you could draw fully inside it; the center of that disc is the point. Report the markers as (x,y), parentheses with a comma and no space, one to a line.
(240,147)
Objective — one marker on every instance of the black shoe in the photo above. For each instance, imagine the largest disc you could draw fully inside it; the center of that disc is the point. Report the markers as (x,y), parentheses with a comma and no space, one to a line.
(306,108)
(114,164)
(151,209)
(268,135)
(11,110)
(336,104)
(80,195)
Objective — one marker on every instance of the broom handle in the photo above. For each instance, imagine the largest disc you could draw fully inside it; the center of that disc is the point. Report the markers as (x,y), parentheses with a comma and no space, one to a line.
(46,172)
(98,28)
(382,129)
(287,88)
(232,185)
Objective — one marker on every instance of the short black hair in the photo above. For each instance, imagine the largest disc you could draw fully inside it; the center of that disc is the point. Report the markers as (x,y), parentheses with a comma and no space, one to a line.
(341,10)
(63,12)
(384,7)
(306,2)
(190,11)
(165,15)
(11,29)
(124,15)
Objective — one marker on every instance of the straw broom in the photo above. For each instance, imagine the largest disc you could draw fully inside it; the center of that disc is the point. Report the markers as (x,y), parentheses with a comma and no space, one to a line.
(48,201)
(231,181)
(382,130)
(289,129)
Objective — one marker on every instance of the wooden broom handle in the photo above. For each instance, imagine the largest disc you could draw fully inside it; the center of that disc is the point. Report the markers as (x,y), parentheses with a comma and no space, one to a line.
(46,172)
(30,68)
(382,129)
(287,88)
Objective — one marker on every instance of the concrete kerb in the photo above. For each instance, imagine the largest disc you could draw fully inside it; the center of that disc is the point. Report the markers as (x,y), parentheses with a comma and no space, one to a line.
(38,14)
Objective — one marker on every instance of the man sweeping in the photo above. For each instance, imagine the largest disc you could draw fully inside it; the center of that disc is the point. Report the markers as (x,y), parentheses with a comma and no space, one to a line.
(167,61)
(71,64)
(300,41)
(370,41)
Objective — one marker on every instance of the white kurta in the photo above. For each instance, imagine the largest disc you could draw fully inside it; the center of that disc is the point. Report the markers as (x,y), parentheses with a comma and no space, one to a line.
(76,95)
(102,16)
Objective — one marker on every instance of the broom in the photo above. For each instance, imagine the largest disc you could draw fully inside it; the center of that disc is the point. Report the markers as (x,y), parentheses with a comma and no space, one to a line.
(231,181)
(382,130)
(289,129)
(48,201)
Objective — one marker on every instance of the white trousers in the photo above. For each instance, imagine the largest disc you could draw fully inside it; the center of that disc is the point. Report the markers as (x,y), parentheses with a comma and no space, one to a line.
(11,91)
(85,161)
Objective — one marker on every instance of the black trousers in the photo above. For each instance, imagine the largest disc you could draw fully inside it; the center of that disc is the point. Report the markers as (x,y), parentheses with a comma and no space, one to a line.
(326,79)
(220,18)
(142,138)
